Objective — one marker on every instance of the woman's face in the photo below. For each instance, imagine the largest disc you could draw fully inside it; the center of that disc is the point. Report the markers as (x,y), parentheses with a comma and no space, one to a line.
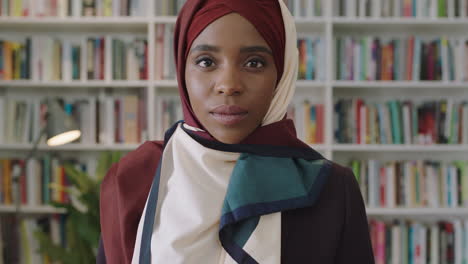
(230,77)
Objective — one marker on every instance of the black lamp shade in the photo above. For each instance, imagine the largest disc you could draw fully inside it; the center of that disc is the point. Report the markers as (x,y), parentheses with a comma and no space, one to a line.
(61,128)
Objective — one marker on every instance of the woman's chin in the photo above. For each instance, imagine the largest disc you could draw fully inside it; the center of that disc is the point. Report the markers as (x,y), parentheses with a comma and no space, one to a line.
(230,137)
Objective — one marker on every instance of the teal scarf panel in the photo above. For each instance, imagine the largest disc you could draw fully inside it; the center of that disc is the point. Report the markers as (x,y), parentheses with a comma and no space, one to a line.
(262,185)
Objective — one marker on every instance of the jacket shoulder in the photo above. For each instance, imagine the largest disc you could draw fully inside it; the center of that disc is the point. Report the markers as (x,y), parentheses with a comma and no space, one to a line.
(339,170)
(124,191)
(146,154)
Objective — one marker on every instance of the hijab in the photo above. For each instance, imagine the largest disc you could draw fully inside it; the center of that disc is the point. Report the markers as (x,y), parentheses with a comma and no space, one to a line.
(268,172)
(276,25)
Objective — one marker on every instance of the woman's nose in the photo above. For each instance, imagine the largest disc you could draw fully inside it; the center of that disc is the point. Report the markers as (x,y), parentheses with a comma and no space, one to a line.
(229,82)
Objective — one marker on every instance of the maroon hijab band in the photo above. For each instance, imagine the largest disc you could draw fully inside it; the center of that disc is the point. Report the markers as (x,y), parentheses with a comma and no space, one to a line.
(264,15)
(196,15)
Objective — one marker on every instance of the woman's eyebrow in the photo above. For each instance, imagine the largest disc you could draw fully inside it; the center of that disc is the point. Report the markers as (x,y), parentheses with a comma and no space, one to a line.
(206,47)
(256,49)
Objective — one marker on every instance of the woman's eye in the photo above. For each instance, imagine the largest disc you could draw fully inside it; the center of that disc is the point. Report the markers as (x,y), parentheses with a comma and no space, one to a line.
(204,62)
(255,64)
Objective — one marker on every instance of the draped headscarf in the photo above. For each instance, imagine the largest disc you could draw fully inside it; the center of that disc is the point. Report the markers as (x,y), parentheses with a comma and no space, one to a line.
(203,191)
(275,24)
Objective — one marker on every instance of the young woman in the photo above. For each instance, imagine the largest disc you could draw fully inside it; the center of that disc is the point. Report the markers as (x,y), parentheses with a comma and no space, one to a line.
(232,183)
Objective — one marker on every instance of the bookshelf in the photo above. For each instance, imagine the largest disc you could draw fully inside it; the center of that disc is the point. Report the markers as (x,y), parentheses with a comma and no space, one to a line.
(32,210)
(327,26)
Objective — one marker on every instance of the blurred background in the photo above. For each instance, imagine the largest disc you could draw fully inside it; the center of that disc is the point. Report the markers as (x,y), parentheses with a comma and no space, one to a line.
(382,88)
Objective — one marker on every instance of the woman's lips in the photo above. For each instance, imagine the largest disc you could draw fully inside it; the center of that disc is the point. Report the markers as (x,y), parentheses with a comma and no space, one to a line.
(228,114)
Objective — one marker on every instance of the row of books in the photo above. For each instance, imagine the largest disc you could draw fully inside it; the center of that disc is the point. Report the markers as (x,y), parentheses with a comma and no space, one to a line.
(114,7)
(358,58)
(44,180)
(412,183)
(18,243)
(402,8)
(414,58)
(47,58)
(164,56)
(102,119)
(75,8)
(441,121)
(168,111)
(130,59)
(168,7)
(412,242)
(306,8)
(309,119)
(311,58)
(15,59)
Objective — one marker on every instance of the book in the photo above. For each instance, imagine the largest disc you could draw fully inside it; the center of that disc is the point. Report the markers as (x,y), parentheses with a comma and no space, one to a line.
(24,118)
(399,58)
(418,241)
(402,122)
(305,8)
(412,183)
(403,8)
(129,59)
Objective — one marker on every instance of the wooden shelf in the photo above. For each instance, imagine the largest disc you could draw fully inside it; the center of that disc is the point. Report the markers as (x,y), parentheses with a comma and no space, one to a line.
(26,209)
(402,23)
(400,84)
(84,24)
(399,148)
(372,212)
(310,84)
(73,84)
(418,212)
(71,147)
(166,83)
(165,19)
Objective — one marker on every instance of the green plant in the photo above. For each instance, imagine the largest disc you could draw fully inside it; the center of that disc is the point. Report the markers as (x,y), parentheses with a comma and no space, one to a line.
(82,224)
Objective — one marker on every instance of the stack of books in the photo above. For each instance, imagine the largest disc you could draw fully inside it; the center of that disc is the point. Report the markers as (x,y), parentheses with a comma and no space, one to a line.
(16,58)
(75,8)
(402,8)
(412,183)
(168,112)
(102,119)
(414,58)
(403,242)
(360,121)
(164,54)
(168,7)
(64,58)
(312,50)
(309,119)
(306,8)
(18,243)
(44,180)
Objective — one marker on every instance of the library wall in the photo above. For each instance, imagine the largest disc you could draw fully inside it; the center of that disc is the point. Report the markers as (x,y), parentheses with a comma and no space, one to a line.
(382,88)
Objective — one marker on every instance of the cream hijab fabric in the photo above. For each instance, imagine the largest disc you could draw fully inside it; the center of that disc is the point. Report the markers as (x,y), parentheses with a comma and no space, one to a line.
(287,85)
(194,180)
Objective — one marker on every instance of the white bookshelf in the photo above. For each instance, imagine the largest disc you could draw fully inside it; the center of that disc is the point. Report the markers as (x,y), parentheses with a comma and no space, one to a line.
(30,210)
(435,213)
(329,26)
(399,148)
(71,147)
(75,84)
(400,85)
